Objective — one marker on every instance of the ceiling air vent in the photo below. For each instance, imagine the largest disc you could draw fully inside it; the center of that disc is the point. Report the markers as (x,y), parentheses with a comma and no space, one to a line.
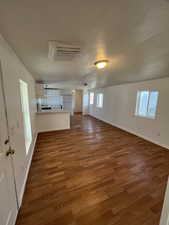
(62,51)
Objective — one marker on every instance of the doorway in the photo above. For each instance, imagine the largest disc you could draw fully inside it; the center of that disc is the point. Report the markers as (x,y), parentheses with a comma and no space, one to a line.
(8,198)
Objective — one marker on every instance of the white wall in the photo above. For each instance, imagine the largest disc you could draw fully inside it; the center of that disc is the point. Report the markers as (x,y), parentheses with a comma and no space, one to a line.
(13,70)
(165,212)
(119,108)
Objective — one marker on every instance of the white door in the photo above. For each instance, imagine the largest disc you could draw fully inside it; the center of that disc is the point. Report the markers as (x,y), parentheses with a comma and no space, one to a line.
(21,158)
(8,202)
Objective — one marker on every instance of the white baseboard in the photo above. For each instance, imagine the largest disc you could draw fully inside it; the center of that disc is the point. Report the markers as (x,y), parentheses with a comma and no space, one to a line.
(164,220)
(133,132)
(27,171)
(51,130)
(15,214)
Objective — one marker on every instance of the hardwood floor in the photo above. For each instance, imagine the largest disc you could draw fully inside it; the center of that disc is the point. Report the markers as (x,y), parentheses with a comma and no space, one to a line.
(94,174)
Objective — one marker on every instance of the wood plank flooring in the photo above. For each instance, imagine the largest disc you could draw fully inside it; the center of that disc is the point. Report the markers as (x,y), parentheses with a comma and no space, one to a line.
(94,174)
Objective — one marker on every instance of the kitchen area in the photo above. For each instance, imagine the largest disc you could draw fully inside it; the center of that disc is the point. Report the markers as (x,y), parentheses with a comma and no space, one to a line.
(55,106)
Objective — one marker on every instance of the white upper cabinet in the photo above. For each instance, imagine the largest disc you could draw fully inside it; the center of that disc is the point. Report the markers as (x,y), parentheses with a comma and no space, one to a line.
(40,92)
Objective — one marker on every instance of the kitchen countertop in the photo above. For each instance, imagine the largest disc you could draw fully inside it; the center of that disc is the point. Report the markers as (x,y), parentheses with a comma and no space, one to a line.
(52,111)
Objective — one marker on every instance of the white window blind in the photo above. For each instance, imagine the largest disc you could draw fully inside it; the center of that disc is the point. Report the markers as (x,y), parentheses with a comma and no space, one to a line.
(146,104)
(91,98)
(99,102)
(52,100)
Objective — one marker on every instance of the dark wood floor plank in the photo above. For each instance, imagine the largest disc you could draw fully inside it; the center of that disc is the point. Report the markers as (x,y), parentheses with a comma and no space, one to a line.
(94,174)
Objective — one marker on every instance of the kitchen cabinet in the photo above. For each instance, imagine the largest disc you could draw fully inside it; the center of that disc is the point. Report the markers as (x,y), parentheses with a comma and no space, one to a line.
(40,91)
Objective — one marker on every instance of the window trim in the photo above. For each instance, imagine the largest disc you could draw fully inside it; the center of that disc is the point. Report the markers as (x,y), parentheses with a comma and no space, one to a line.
(90,99)
(97,105)
(138,101)
(27,146)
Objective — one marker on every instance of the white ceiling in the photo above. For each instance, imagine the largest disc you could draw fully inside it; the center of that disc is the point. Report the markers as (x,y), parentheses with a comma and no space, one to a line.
(132,34)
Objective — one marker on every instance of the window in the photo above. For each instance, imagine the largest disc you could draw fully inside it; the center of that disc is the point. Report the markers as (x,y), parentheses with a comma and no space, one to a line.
(91,98)
(146,104)
(99,102)
(26,114)
(52,100)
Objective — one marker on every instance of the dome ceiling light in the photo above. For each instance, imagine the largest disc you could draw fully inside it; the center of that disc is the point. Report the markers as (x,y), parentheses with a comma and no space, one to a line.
(101,64)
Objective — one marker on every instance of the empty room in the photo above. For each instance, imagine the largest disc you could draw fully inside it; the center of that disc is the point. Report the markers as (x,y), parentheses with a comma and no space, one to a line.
(84,112)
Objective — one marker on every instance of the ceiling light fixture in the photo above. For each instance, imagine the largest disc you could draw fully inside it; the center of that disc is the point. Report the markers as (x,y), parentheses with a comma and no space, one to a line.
(101,64)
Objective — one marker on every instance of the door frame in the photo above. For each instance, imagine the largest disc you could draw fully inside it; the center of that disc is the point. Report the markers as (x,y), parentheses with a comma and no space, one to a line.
(7,125)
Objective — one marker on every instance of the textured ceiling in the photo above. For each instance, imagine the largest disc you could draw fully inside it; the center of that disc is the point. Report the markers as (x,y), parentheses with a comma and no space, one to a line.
(132,34)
